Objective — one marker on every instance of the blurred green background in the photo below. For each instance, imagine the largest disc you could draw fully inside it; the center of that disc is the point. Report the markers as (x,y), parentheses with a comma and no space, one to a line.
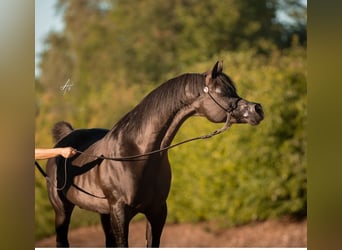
(115,52)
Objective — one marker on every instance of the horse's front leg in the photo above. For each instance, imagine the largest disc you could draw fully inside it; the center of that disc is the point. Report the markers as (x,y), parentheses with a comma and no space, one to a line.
(155,224)
(120,216)
(107,228)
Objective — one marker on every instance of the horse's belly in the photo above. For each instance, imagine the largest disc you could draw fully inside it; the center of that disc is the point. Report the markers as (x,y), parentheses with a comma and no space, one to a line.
(89,194)
(86,201)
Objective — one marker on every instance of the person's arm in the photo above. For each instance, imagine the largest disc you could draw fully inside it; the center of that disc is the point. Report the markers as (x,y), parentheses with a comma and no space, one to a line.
(45,153)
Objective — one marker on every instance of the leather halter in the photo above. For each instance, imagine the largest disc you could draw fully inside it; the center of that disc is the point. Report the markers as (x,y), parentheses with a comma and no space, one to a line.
(206,90)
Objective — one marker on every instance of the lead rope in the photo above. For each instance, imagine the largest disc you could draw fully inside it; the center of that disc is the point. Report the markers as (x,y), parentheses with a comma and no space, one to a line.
(130,158)
(136,157)
(65,181)
(48,178)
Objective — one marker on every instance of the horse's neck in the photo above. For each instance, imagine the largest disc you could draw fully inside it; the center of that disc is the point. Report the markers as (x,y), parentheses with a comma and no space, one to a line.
(177,121)
(154,131)
(158,131)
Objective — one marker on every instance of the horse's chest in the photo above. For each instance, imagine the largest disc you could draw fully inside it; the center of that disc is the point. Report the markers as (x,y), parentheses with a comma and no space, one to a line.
(138,185)
(148,188)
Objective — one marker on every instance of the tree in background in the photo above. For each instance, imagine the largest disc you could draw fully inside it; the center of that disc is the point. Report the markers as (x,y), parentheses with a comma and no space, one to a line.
(152,38)
(295,27)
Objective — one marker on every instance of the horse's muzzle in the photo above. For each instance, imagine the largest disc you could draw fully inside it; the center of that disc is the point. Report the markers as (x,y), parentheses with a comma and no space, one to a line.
(258,109)
(256,113)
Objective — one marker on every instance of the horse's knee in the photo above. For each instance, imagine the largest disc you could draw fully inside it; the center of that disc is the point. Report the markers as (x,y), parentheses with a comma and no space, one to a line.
(120,215)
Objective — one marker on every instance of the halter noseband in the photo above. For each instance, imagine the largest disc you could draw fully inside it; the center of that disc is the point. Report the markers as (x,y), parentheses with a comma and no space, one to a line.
(206,90)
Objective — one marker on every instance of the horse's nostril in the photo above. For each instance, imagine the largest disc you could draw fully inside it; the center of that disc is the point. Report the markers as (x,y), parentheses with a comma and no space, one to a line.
(258,109)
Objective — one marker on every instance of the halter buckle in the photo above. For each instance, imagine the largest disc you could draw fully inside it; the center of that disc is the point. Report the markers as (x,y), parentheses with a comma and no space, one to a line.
(206,89)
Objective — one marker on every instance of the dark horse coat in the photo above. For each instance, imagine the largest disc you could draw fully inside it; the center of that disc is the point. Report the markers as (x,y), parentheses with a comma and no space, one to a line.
(118,190)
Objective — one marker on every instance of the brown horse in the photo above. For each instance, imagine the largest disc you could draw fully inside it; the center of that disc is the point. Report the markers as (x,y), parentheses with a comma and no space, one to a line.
(119,189)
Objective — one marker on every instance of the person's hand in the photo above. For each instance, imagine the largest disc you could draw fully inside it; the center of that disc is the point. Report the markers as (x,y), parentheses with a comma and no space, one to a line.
(67,152)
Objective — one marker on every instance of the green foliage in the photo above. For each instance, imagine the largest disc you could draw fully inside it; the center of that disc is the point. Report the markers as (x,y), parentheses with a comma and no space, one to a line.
(249,173)
(153,38)
(115,54)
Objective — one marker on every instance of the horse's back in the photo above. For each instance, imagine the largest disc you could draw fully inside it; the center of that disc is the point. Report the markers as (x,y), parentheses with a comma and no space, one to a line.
(66,136)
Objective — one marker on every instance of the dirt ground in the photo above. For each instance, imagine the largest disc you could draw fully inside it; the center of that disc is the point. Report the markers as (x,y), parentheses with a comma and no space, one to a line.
(272,233)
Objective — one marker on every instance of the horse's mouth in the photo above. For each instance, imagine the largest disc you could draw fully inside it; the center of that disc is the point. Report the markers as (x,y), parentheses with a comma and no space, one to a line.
(253,119)
(256,119)
(254,122)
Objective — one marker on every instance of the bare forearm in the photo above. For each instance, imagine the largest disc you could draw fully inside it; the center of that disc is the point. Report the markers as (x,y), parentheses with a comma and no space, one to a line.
(45,153)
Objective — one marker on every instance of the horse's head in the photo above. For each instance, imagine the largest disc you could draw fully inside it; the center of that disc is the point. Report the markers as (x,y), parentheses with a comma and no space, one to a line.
(219,98)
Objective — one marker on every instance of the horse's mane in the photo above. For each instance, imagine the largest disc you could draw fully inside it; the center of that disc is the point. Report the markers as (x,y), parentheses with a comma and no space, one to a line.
(172,94)
(166,98)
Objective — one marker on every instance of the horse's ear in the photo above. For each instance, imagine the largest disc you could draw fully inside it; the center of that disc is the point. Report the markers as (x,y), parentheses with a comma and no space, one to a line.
(217,69)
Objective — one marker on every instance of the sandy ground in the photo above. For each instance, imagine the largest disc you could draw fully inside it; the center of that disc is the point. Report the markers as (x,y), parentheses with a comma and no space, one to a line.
(272,233)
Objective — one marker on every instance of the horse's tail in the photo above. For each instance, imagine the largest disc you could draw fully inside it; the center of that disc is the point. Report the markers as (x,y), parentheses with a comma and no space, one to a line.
(60,130)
